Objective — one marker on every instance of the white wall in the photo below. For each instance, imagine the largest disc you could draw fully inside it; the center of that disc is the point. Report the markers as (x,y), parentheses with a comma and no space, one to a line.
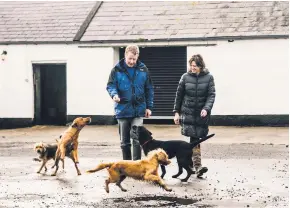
(251,76)
(87,74)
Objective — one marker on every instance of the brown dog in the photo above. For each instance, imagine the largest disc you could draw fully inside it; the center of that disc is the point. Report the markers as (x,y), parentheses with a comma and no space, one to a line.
(47,152)
(70,136)
(146,169)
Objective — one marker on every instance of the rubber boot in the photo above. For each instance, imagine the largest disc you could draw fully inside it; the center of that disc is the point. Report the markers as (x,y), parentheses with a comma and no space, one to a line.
(136,152)
(126,151)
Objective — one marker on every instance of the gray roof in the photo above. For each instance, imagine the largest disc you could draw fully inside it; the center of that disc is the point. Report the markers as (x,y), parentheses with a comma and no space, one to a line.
(41,21)
(126,21)
(187,20)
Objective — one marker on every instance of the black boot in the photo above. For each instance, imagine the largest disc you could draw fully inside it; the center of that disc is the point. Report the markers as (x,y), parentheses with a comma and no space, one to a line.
(126,151)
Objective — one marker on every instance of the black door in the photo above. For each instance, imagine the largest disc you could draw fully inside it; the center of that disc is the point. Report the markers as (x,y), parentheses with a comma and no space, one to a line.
(50,94)
(166,65)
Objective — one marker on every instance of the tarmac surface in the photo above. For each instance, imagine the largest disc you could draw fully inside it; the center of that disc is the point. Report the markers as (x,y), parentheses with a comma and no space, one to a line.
(248,167)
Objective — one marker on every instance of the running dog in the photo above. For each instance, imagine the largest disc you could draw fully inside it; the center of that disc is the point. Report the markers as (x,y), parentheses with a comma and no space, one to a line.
(70,136)
(145,170)
(175,148)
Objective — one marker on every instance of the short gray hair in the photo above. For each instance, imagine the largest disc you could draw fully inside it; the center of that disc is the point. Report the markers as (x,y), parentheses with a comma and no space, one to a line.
(133,49)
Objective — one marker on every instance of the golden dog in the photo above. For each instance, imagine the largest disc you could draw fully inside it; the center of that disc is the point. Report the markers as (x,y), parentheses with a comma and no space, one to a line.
(146,169)
(70,136)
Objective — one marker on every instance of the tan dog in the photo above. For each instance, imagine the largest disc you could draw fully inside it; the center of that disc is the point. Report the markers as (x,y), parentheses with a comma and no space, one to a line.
(146,169)
(70,136)
(47,152)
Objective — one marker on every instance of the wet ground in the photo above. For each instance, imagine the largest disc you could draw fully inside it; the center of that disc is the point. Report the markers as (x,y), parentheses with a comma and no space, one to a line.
(248,167)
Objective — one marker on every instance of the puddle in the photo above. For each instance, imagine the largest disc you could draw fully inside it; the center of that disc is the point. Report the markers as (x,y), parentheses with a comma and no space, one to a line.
(153,201)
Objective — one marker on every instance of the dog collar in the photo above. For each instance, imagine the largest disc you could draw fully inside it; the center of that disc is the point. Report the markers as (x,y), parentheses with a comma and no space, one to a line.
(146,142)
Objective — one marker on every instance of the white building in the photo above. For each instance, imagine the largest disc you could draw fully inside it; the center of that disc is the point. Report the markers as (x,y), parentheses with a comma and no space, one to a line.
(60,54)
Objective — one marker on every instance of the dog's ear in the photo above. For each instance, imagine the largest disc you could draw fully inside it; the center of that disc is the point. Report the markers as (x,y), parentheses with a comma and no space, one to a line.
(149,132)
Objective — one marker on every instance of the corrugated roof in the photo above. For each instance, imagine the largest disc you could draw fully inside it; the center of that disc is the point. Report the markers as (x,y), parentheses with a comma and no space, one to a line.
(153,20)
(44,21)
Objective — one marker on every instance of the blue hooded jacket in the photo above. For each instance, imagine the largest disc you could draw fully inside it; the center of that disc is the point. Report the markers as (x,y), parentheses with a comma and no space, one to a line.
(136,93)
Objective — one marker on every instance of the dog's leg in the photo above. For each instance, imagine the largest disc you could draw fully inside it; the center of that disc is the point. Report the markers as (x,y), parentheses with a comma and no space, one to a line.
(114,177)
(56,167)
(62,161)
(57,154)
(62,151)
(75,152)
(189,172)
(180,171)
(42,165)
(36,159)
(45,168)
(157,180)
(76,165)
(107,185)
(122,177)
(163,171)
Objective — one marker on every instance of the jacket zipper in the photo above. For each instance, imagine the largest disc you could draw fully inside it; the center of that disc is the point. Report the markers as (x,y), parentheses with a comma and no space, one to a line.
(196,97)
(132,88)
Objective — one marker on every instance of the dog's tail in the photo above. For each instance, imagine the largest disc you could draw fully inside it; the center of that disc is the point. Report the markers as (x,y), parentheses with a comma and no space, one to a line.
(100,167)
(193,144)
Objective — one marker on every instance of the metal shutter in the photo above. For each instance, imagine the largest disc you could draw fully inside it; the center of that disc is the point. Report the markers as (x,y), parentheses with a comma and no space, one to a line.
(166,65)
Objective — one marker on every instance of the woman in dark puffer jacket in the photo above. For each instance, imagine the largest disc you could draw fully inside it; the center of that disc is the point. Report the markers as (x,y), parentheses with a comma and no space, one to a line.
(194,100)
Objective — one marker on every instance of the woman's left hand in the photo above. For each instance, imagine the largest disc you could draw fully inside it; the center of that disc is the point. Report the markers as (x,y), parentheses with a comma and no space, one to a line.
(203,113)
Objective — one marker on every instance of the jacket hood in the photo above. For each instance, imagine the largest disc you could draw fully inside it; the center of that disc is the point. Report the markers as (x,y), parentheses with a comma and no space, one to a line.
(121,64)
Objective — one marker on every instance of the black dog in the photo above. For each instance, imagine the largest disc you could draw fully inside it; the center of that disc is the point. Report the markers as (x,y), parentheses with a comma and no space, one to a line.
(181,149)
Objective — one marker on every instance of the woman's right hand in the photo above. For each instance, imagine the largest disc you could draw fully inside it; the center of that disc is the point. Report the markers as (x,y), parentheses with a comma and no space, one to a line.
(176,118)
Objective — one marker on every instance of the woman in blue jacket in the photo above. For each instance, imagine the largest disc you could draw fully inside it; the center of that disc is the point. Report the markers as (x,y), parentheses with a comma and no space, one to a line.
(131,89)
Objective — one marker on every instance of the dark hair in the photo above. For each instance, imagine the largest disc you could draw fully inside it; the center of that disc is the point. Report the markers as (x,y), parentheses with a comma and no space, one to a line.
(198,60)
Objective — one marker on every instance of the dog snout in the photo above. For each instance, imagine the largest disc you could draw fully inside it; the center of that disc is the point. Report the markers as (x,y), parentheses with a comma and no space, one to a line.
(88,120)
(38,151)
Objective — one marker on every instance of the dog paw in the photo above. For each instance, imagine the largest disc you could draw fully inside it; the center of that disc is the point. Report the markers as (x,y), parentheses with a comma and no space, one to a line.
(174,176)
(38,172)
(169,189)
(53,174)
(184,180)
(79,174)
(36,159)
